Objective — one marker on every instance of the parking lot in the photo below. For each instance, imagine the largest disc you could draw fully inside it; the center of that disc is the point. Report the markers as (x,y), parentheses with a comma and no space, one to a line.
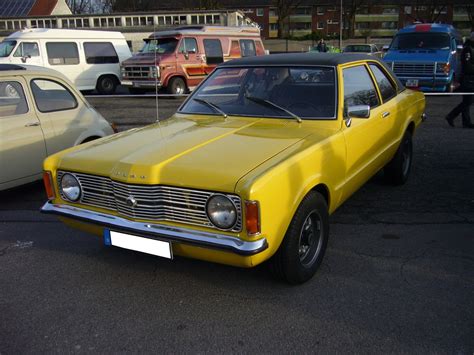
(398,275)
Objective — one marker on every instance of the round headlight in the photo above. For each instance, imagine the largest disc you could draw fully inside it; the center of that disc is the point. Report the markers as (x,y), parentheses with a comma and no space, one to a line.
(221,211)
(70,187)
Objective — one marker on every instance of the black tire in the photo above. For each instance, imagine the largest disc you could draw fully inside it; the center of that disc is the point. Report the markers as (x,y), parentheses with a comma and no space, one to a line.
(398,169)
(301,251)
(106,84)
(176,86)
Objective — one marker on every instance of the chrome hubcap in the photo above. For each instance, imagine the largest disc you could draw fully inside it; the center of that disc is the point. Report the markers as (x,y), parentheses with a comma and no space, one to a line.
(310,240)
(179,89)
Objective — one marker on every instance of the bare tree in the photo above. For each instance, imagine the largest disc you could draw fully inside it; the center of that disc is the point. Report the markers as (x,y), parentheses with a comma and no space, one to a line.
(351,7)
(285,8)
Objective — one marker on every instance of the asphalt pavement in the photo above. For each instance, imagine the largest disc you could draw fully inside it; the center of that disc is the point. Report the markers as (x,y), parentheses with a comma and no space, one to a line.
(398,275)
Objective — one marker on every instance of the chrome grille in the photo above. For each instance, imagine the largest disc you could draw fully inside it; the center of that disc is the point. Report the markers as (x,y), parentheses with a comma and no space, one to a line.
(137,72)
(153,202)
(413,69)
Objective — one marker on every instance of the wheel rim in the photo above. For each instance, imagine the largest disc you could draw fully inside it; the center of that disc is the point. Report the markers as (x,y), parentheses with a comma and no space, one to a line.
(179,89)
(310,240)
(107,84)
(406,157)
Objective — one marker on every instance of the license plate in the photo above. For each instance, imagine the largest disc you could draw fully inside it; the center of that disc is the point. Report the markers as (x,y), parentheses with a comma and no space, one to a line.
(136,243)
(126,82)
(412,83)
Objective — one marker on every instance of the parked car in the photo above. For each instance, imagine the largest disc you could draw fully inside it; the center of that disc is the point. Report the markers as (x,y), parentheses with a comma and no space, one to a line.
(90,59)
(41,113)
(369,49)
(331,49)
(250,167)
(181,58)
(426,56)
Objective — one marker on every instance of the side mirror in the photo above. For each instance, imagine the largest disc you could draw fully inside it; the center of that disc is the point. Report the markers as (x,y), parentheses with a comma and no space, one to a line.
(356,111)
(459,47)
(385,48)
(186,55)
(25,57)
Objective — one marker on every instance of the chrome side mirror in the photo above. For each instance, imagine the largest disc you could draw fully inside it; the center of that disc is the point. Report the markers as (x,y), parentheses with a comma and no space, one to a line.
(385,48)
(358,111)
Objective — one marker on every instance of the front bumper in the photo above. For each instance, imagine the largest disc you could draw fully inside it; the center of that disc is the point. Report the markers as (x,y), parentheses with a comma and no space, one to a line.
(139,84)
(160,231)
(428,84)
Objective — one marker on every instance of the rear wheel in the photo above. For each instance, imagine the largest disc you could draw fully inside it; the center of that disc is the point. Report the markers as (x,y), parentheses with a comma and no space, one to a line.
(106,84)
(398,169)
(176,86)
(302,249)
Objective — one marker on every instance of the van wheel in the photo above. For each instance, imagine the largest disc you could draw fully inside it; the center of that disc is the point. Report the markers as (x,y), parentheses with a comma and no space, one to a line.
(302,249)
(176,86)
(106,84)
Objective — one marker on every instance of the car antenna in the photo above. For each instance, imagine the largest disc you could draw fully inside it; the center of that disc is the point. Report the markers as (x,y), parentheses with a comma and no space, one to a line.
(156,79)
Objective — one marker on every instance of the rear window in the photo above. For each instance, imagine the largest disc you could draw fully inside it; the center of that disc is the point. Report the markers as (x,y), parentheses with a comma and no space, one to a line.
(62,53)
(100,53)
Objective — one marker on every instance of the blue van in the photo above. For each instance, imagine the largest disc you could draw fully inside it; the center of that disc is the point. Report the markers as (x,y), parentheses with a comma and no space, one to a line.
(426,56)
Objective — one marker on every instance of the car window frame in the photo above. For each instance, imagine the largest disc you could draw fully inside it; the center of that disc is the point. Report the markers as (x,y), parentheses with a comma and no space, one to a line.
(394,85)
(24,86)
(59,83)
(363,64)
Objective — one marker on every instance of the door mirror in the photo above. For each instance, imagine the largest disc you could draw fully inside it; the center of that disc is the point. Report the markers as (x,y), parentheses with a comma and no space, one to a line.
(25,57)
(459,47)
(358,111)
(385,48)
(186,55)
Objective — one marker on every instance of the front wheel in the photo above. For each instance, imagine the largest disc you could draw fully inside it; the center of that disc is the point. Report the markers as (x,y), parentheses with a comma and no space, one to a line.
(302,249)
(398,169)
(176,86)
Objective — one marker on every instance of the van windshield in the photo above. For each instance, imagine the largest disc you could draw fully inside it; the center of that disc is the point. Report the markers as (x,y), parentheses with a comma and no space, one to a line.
(6,48)
(160,46)
(421,41)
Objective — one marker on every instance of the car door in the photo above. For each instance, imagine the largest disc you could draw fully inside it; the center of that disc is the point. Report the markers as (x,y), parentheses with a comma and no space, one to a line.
(63,115)
(365,137)
(28,52)
(22,146)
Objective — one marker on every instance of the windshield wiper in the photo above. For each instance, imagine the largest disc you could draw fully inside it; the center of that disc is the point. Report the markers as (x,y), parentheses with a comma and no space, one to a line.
(211,105)
(261,101)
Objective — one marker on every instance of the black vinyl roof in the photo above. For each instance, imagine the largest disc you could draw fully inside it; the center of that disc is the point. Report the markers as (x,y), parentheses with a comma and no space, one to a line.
(328,59)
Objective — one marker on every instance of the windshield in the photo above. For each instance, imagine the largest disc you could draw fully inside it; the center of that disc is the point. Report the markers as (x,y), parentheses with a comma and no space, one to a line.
(278,92)
(6,48)
(421,41)
(357,48)
(162,45)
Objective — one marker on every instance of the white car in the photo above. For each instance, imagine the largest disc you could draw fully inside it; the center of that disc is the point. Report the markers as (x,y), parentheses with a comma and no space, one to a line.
(41,113)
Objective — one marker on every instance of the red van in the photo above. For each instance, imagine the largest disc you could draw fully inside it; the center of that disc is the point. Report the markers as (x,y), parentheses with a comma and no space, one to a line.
(180,59)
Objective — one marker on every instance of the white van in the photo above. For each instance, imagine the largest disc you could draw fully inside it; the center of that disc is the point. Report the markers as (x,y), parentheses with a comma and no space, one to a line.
(90,59)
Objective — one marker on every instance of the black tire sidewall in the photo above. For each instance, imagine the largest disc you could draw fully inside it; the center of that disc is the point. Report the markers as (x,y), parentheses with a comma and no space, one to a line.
(394,171)
(101,88)
(174,83)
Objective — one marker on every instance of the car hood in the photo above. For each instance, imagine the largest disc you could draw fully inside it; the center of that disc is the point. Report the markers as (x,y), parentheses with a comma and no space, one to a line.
(146,58)
(202,152)
(417,56)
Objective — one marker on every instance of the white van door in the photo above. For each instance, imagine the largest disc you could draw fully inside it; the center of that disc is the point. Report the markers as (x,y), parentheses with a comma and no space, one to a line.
(27,52)
(64,57)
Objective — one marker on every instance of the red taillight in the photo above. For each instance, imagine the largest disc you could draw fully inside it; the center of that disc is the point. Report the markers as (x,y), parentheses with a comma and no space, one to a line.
(252,217)
(48,185)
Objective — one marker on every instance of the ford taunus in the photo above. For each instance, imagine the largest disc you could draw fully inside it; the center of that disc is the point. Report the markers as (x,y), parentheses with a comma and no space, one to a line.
(249,168)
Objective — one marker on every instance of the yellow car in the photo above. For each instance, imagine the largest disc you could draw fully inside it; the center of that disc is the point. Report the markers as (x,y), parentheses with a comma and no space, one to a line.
(251,165)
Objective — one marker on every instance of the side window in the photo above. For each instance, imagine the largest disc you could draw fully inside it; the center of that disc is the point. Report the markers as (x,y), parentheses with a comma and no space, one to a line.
(359,88)
(12,99)
(27,49)
(62,53)
(213,50)
(188,45)
(52,96)
(247,48)
(387,88)
(100,53)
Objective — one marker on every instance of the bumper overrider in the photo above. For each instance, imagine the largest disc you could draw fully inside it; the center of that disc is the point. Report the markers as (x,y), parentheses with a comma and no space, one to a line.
(162,232)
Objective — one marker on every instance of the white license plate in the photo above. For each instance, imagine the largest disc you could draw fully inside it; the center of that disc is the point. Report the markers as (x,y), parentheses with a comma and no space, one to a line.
(144,245)
(411,83)
(127,82)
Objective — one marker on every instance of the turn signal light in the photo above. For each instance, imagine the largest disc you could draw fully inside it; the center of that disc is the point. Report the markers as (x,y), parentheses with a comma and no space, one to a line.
(48,185)
(252,217)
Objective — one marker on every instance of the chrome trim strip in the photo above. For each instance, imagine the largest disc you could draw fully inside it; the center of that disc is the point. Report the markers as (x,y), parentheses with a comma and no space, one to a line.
(160,231)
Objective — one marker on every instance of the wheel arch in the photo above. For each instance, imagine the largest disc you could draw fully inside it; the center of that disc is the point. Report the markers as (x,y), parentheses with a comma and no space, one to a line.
(176,75)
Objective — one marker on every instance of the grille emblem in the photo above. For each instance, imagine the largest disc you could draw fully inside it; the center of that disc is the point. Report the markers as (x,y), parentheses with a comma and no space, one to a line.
(131,201)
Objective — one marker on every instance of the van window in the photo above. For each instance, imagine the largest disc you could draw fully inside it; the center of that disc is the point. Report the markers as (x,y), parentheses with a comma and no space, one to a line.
(27,49)
(51,96)
(213,49)
(62,53)
(6,48)
(160,46)
(188,45)
(12,99)
(247,48)
(100,53)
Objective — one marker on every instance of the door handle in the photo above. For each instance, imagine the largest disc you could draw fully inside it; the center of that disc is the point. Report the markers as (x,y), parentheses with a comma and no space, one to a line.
(385,114)
(32,124)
